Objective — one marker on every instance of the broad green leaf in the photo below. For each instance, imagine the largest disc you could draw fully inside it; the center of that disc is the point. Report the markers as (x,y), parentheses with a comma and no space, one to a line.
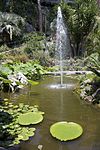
(65,131)
(30,118)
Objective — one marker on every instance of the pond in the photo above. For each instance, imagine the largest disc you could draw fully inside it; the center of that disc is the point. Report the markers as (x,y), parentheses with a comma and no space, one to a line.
(59,104)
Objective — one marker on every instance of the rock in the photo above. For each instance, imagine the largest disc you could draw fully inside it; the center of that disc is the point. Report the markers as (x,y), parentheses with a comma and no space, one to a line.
(98,105)
(40,147)
(21,78)
(88,81)
(83,94)
(97,93)
(88,99)
(15,79)
(16,147)
(28,27)
(1,148)
(88,88)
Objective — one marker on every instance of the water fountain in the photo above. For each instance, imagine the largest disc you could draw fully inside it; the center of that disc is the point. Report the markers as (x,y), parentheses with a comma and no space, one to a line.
(62,44)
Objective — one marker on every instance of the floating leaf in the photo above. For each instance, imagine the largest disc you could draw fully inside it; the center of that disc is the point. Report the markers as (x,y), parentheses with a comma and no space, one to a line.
(66,130)
(10,115)
(10,105)
(21,105)
(5,99)
(15,142)
(30,118)
(26,133)
(15,106)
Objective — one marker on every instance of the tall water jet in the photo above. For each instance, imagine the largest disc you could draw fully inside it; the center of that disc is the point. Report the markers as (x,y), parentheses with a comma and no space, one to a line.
(62,43)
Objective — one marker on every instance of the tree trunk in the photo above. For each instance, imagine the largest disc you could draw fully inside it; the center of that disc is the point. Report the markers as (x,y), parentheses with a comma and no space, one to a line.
(40,15)
(11,6)
(77,48)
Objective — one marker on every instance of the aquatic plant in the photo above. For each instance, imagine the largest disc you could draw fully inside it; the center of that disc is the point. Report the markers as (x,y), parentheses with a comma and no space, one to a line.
(30,118)
(65,131)
(11,131)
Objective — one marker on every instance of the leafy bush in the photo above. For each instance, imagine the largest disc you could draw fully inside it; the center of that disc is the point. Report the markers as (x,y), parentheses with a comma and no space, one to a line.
(34,42)
(4,48)
(10,74)
(93,40)
(31,70)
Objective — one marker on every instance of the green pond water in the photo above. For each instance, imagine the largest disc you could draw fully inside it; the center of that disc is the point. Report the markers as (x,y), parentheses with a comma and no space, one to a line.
(59,104)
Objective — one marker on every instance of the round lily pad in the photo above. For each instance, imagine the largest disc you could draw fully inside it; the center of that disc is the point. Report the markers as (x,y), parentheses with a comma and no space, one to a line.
(30,118)
(65,131)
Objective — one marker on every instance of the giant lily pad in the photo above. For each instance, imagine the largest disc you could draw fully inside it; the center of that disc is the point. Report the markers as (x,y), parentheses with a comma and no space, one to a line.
(66,130)
(30,118)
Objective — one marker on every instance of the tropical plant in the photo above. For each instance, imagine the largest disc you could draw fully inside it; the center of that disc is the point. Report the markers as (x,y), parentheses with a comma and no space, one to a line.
(31,70)
(81,18)
(29,9)
(90,84)
(93,39)
(14,75)
(94,63)
(95,60)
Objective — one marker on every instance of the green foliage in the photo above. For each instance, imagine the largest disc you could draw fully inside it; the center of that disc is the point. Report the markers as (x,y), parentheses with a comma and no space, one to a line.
(26,9)
(3,48)
(93,61)
(31,70)
(35,42)
(5,71)
(5,82)
(33,36)
(36,47)
(81,19)
(25,134)
(65,131)
(11,132)
(93,40)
